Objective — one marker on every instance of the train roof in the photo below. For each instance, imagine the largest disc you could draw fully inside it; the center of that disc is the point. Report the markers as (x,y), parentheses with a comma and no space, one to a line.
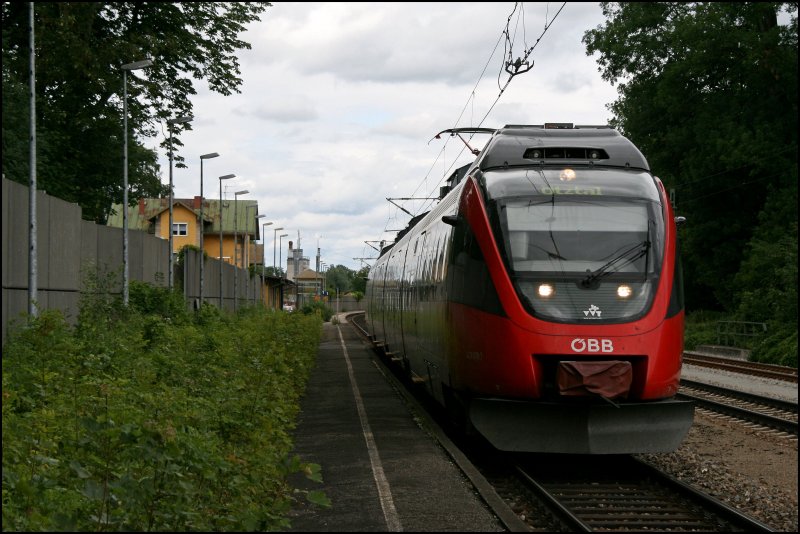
(523,145)
(526,145)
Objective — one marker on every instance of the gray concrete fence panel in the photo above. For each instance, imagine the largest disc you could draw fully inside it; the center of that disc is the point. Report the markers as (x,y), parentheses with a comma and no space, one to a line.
(69,249)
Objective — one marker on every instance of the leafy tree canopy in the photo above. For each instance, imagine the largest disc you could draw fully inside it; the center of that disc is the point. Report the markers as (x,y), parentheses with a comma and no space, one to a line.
(708,91)
(80,49)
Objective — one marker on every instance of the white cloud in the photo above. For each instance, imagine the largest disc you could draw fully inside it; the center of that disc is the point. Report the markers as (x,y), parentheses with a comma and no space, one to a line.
(340,101)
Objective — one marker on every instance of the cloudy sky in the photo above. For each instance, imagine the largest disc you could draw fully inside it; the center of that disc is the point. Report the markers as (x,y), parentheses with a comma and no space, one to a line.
(340,102)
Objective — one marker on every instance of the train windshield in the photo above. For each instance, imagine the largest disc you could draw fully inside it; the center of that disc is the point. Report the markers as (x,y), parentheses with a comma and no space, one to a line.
(586,250)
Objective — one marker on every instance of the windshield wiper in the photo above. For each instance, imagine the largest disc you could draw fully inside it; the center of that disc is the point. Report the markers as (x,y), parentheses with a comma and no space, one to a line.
(629,255)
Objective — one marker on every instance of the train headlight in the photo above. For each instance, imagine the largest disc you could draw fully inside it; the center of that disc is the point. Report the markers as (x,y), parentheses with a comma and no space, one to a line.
(545,290)
(624,291)
(567,175)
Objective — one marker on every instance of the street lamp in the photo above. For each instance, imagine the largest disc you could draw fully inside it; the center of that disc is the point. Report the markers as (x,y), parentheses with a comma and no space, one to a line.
(321,278)
(274,241)
(202,261)
(170,123)
(261,289)
(280,248)
(235,244)
(247,246)
(226,177)
(263,255)
(136,65)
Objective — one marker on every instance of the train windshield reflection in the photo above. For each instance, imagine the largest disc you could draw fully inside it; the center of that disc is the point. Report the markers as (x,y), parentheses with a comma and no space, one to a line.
(583,257)
(574,236)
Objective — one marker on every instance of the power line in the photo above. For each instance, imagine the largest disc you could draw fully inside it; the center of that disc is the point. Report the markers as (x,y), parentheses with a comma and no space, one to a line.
(518,69)
(519,66)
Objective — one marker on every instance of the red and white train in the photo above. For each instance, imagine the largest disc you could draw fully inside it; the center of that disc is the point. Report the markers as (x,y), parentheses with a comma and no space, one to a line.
(540,301)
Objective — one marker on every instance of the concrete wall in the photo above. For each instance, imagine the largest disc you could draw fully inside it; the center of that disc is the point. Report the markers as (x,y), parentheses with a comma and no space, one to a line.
(249,291)
(70,249)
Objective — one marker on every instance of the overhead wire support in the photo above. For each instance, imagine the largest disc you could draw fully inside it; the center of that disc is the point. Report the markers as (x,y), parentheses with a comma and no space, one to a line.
(399,206)
(520,65)
(521,62)
(372,246)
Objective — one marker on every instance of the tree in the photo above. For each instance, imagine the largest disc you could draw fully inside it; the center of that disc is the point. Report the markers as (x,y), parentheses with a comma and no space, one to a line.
(80,47)
(708,91)
(339,278)
(360,280)
(273,271)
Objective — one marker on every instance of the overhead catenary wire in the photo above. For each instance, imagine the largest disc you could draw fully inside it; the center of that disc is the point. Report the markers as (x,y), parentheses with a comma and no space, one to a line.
(511,76)
(508,52)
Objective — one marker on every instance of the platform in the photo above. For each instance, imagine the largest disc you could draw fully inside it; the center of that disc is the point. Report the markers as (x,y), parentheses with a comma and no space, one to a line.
(383,467)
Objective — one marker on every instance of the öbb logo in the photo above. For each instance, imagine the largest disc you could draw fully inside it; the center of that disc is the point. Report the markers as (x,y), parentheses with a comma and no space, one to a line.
(592,345)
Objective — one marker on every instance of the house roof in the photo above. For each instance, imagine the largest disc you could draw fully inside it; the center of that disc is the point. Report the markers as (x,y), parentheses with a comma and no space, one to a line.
(308,274)
(140,215)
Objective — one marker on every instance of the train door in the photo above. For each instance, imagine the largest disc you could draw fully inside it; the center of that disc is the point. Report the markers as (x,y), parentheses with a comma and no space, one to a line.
(394,305)
(378,304)
(412,328)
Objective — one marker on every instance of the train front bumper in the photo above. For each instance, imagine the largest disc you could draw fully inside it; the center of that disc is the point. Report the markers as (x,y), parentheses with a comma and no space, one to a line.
(626,428)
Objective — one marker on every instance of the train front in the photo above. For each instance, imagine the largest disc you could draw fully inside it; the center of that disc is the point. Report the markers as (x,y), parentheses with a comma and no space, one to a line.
(588,352)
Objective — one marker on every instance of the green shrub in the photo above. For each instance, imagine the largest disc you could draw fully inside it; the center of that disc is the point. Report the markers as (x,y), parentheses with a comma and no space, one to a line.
(778,347)
(318,308)
(701,328)
(147,299)
(142,420)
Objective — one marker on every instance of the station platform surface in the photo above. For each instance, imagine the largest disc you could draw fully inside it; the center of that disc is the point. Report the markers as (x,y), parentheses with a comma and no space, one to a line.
(382,467)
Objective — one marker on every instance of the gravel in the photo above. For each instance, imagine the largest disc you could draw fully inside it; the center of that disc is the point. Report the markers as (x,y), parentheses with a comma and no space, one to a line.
(751,469)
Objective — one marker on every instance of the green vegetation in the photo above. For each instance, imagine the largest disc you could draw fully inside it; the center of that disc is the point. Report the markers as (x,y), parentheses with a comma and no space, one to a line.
(708,92)
(318,308)
(80,50)
(153,418)
(340,279)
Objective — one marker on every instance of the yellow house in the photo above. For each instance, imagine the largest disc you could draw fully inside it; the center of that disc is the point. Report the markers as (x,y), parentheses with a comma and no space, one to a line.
(236,218)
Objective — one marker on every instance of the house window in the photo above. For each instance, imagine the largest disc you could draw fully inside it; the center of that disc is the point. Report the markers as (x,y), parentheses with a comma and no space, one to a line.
(180,229)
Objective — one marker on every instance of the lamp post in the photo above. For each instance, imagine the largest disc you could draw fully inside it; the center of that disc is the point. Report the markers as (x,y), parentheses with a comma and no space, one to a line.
(325,277)
(274,242)
(235,244)
(263,254)
(321,279)
(226,177)
(280,249)
(247,247)
(125,68)
(202,260)
(280,252)
(170,123)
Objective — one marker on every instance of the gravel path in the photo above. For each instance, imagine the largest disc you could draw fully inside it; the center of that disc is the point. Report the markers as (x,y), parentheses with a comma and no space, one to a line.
(752,470)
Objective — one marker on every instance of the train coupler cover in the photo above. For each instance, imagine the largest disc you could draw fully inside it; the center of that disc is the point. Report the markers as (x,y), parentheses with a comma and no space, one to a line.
(607,379)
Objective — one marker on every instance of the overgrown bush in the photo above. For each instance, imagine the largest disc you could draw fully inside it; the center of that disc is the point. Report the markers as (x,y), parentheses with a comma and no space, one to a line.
(778,347)
(701,328)
(160,301)
(318,308)
(146,419)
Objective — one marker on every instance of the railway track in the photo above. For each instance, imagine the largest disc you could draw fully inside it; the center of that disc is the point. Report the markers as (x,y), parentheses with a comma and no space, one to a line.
(766,370)
(763,411)
(624,494)
(619,493)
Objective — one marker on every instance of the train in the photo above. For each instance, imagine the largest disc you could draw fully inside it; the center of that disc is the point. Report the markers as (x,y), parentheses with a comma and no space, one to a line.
(540,301)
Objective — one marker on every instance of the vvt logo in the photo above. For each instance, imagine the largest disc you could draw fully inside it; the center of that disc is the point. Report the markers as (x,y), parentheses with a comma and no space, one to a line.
(594,311)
